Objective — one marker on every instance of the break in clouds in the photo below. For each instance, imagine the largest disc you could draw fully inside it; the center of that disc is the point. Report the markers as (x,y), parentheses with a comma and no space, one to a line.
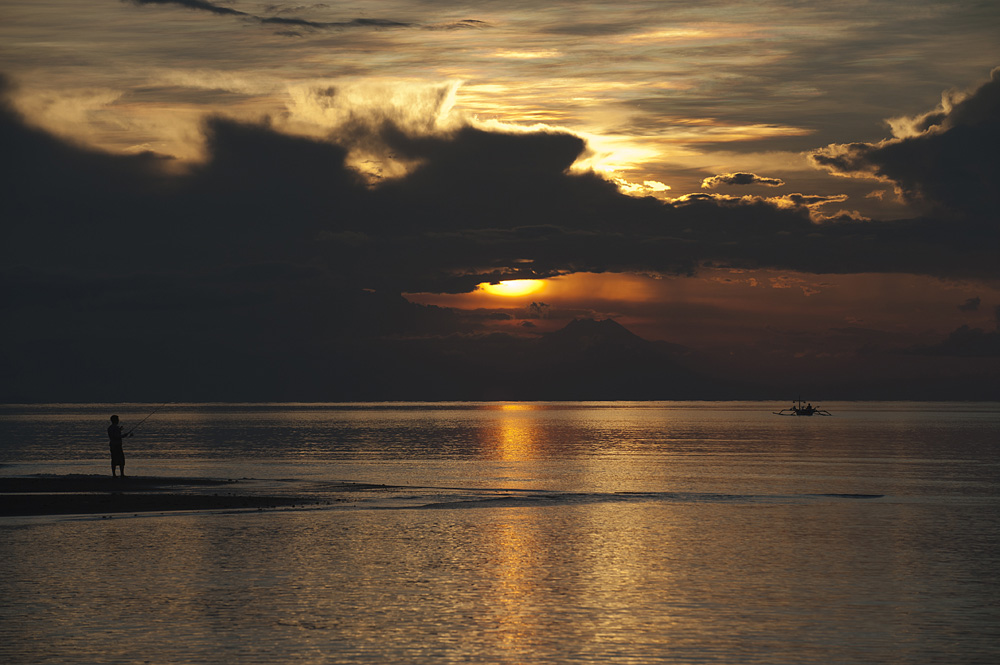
(274,248)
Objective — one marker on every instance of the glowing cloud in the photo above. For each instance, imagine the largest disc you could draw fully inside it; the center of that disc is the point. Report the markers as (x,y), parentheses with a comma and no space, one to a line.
(740,179)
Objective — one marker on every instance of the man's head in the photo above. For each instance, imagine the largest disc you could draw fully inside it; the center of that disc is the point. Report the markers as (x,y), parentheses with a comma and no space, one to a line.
(114,419)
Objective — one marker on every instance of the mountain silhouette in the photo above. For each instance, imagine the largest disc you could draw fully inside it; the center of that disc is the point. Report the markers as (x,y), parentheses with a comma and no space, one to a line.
(590,336)
(586,360)
(601,359)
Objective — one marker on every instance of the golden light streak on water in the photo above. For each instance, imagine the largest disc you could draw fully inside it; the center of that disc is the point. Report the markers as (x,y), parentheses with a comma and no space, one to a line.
(516,558)
(516,437)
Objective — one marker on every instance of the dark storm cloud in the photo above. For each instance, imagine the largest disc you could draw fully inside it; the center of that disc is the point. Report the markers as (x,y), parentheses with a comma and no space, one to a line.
(740,179)
(478,205)
(273,255)
(946,158)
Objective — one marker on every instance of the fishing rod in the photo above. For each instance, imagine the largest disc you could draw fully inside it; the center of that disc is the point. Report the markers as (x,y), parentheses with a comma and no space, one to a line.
(136,426)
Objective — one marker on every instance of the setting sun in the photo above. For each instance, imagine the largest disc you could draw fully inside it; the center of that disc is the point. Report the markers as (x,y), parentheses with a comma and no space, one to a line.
(514,287)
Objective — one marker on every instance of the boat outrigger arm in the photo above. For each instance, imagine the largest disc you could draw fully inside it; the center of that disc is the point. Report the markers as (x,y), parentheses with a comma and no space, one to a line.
(799,408)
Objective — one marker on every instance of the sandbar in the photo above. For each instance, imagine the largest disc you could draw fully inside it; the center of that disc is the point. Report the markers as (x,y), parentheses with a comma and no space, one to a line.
(89,494)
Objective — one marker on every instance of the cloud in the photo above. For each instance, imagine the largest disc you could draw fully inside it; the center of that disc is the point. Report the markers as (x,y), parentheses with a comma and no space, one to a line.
(356,111)
(200,5)
(965,342)
(464,24)
(945,158)
(205,6)
(798,200)
(538,310)
(809,204)
(274,252)
(475,203)
(970,305)
(740,179)
(296,22)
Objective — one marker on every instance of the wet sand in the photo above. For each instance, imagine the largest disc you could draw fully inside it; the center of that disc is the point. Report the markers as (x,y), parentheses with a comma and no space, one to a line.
(89,494)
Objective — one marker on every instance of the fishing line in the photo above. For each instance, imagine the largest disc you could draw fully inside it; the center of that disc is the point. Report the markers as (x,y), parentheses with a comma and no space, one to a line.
(136,426)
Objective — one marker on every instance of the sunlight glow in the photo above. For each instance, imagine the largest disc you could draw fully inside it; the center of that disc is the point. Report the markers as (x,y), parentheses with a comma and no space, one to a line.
(514,287)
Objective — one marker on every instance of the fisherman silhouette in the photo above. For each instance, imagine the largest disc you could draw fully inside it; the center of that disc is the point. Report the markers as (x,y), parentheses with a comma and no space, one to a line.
(117,454)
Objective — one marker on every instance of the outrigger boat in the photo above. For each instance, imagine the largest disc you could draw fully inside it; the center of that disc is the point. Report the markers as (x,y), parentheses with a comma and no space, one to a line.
(799,408)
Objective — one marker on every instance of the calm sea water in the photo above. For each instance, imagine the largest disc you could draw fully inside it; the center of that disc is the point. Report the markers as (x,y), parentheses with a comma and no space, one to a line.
(519,533)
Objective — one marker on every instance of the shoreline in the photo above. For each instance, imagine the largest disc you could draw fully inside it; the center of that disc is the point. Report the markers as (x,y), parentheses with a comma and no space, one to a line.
(23,496)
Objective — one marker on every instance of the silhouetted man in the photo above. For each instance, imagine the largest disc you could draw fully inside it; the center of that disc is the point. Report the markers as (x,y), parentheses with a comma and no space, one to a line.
(117,454)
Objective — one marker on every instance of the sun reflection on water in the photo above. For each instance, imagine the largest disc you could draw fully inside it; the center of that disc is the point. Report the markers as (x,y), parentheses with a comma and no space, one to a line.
(515,551)
(516,434)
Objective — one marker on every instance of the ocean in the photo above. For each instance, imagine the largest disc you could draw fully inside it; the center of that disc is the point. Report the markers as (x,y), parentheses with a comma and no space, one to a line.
(611,532)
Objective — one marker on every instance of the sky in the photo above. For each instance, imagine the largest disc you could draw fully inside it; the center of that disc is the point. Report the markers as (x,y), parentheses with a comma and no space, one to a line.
(263,201)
